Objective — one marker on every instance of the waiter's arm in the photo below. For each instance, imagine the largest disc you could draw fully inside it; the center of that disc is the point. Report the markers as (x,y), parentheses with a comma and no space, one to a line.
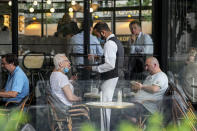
(110,50)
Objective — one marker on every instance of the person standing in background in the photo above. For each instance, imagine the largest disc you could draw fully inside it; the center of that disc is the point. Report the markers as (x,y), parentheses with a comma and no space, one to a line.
(77,45)
(139,46)
(139,42)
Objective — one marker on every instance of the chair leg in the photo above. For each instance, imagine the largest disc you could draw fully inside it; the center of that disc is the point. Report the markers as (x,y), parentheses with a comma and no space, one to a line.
(69,123)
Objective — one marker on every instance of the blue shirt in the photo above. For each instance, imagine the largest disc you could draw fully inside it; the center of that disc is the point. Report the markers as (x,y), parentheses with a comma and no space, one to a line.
(17,81)
(77,46)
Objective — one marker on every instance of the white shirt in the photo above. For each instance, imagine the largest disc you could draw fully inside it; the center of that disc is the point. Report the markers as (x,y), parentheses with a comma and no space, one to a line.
(58,80)
(152,101)
(143,44)
(110,50)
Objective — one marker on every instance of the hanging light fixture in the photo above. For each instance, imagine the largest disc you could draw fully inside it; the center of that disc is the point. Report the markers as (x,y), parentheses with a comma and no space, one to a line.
(73,2)
(52,10)
(91,10)
(35,2)
(96,16)
(49,2)
(129,16)
(31,9)
(34,18)
(70,9)
(10,3)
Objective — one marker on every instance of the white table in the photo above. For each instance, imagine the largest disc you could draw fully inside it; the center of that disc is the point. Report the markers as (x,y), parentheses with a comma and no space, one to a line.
(109,105)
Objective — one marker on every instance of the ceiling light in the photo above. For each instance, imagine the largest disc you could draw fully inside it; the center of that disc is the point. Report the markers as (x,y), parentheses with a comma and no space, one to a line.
(96,16)
(34,18)
(73,2)
(10,3)
(91,10)
(70,9)
(31,9)
(48,2)
(52,10)
(35,2)
(129,16)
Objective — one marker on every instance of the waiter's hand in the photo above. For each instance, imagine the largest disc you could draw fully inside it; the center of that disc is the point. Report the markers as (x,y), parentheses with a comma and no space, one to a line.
(91,56)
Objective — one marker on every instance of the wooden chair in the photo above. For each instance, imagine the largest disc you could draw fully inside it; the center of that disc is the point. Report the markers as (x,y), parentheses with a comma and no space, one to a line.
(20,105)
(177,107)
(17,105)
(60,115)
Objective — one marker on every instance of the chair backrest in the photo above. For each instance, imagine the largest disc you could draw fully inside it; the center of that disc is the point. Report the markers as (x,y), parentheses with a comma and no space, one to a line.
(23,103)
(61,110)
(20,105)
(175,106)
(57,106)
(33,60)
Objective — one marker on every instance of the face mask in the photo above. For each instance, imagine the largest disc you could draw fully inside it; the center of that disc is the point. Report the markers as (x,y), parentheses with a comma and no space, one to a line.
(102,37)
(101,40)
(66,70)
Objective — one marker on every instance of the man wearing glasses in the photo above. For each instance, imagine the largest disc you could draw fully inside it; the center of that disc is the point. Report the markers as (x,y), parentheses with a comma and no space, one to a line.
(17,85)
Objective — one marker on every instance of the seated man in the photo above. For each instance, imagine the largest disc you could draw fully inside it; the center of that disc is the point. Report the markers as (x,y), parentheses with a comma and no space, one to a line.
(149,95)
(60,84)
(17,85)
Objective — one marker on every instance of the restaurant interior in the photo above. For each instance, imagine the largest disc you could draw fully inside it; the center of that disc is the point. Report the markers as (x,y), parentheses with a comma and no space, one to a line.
(37,30)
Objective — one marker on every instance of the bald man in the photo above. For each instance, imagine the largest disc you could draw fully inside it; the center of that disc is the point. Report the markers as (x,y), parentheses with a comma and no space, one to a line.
(151,91)
(149,94)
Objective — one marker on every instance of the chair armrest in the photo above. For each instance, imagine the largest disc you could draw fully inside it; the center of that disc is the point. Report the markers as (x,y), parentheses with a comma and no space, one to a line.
(81,105)
(9,102)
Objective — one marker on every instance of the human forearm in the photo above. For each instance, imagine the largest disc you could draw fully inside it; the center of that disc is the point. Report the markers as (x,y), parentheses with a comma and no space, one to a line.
(151,89)
(74,98)
(8,94)
(69,95)
(103,68)
(138,86)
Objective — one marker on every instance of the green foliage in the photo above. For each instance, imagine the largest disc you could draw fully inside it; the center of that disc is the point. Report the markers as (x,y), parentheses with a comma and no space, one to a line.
(126,126)
(88,127)
(155,123)
(10,120)
(137,2)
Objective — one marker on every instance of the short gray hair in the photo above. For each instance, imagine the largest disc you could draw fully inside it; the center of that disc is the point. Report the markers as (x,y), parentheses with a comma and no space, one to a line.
(154,60)
(58,58)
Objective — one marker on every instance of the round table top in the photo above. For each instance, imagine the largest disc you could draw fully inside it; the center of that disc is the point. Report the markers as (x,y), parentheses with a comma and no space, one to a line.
(112,105)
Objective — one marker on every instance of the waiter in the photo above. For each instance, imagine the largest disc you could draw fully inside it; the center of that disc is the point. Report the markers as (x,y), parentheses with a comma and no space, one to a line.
(111,68)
